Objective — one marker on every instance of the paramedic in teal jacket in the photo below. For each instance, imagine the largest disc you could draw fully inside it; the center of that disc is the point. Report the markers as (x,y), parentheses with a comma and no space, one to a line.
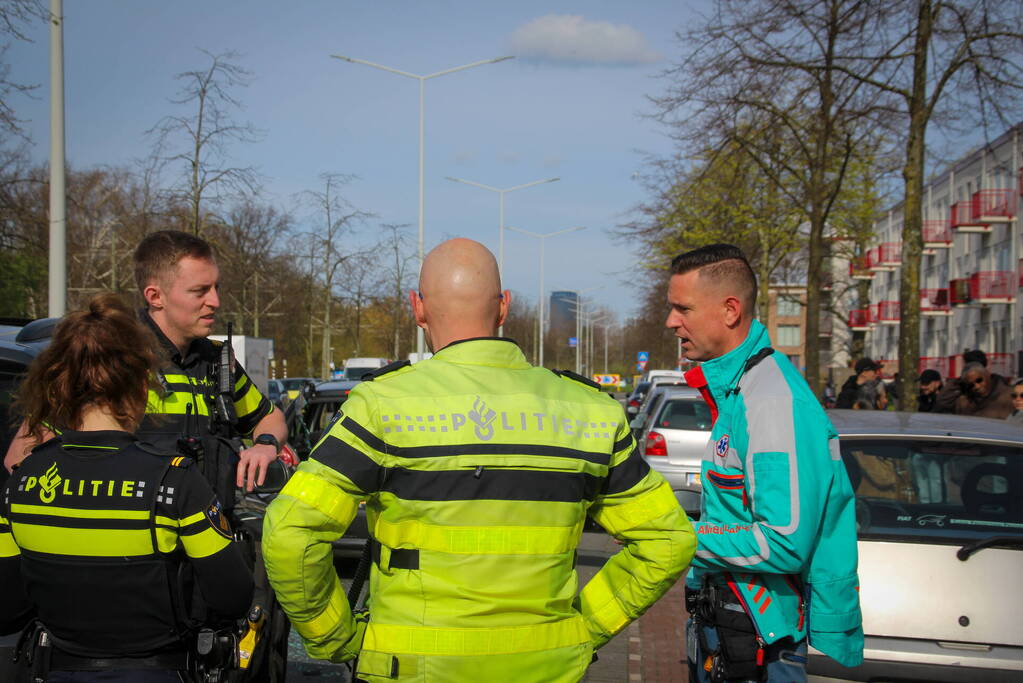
(775,563)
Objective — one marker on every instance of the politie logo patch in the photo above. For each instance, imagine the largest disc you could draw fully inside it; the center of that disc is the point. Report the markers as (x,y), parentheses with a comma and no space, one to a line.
(721,447)
(217,519)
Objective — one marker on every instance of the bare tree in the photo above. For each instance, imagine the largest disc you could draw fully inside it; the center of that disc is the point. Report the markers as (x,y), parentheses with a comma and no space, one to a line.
(761,72)
(339,220)
(196,143)
(397,275)
(15,16)
(969,52)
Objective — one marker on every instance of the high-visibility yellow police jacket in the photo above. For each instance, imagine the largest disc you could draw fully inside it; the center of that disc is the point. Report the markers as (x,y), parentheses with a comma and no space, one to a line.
(477,471)
(94,527)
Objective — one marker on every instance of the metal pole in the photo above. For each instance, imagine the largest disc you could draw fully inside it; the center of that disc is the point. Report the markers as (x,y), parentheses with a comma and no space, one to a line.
(542,242)
(578,334)
(58,215)
(500,254)
(605,348)
(420,335)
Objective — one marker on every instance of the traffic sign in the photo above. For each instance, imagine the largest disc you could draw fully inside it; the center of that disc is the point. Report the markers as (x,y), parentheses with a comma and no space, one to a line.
(605,380)
(573,342)
(640,367)
(643,356)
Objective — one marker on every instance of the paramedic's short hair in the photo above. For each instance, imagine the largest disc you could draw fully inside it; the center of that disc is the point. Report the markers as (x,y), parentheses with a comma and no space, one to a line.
(721,263)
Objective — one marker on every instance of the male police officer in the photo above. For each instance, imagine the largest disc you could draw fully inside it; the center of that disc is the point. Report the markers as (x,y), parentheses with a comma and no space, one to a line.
(178,278)
(478,471)
(776,554)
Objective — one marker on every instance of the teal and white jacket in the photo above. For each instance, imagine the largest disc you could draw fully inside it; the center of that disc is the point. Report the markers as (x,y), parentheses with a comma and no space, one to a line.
(777,520)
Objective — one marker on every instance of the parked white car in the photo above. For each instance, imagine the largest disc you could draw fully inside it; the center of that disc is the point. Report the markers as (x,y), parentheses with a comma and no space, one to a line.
(939,511)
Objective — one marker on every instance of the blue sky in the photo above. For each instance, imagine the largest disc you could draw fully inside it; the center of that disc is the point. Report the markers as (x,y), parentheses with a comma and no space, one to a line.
(569,105)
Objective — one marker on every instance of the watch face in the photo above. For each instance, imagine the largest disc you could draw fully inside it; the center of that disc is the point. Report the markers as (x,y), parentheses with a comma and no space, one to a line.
(267,440)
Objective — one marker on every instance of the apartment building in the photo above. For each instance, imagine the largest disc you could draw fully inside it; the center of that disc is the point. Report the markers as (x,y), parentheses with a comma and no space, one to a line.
(971,273)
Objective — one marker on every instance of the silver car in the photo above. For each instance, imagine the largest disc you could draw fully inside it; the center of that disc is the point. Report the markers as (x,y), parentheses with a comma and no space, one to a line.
(939,512)
(673,441)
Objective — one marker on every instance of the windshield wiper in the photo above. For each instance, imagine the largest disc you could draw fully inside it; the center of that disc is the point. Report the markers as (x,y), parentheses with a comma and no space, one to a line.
(964,553)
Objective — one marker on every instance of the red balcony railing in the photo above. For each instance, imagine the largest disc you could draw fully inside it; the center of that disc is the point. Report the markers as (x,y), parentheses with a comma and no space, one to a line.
(874,259)
(991,285)
(937,233)
(934,301)
(888,312)
(959,291)
(1001,364)
(993,205)
(940,363)
(890,254)
(961,218)
(859,319)
(859,268)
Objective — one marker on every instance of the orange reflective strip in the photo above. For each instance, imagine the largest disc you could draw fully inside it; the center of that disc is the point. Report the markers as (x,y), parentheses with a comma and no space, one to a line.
(760,594)
(763,608)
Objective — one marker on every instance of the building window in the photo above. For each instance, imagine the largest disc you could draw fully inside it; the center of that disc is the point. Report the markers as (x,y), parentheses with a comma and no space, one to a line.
(789,307)
(788,335)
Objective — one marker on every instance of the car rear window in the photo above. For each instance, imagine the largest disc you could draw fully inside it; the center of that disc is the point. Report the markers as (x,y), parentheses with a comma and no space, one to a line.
(928,491)
(692,414)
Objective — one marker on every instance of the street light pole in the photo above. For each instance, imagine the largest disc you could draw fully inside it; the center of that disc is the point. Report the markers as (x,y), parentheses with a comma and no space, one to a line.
(543,239)
(57,296)
(500,229)
(580,307)
(420,338)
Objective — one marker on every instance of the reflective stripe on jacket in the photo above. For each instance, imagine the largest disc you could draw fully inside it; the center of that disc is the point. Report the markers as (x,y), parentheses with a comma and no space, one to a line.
(778,517)
(483,468)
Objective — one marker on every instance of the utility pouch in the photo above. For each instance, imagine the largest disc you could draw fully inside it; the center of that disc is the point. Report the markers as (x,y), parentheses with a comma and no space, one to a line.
(741,652)
(35,644)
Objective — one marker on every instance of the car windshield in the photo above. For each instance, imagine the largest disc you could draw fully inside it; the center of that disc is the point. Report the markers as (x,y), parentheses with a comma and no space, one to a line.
(357,373)
(930,491)
(685,413)
(293,383)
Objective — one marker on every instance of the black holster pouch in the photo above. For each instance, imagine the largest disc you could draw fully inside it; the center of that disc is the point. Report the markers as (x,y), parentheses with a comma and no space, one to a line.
(740,652)
(35,645)
(215,654)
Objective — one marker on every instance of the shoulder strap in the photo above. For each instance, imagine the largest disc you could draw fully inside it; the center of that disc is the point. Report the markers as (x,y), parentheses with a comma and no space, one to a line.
(568,374)
(751,363)
(390,367)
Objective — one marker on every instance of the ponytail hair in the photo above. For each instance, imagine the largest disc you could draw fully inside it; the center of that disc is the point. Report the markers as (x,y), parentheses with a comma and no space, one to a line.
(101,356)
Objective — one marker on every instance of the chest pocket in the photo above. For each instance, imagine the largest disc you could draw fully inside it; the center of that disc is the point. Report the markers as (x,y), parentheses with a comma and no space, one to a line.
(724,491)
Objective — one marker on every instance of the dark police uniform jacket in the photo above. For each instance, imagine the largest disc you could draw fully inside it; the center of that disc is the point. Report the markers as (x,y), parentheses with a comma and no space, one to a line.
(188,382)
(94,527)
(184,407)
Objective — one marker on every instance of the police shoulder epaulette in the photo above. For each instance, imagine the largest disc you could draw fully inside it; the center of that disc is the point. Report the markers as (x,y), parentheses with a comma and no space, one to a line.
(176,460)
(568,374)
(390,367)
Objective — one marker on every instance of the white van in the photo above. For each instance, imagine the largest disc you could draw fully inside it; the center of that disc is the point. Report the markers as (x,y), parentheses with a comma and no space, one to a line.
(355,368)
(661,375)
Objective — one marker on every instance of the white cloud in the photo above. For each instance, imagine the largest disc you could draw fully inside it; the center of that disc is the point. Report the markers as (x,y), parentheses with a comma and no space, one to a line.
(573,38)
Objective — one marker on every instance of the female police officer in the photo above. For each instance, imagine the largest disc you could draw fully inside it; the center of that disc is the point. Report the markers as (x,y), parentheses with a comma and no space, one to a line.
(97,524)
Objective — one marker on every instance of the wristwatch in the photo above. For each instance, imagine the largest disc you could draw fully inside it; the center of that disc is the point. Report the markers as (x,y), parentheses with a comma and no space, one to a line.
(268,440)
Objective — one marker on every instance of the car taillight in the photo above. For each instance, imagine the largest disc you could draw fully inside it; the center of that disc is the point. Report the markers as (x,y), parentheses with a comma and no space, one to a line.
(634,403)
(655,444)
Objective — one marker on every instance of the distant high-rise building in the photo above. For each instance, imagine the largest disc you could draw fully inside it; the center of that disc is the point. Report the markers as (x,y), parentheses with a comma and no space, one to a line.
(563,312)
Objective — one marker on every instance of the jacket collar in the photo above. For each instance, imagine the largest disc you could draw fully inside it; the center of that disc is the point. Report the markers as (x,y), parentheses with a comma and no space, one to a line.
(169,349)
(106,439)
(722,373)
(499,352)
